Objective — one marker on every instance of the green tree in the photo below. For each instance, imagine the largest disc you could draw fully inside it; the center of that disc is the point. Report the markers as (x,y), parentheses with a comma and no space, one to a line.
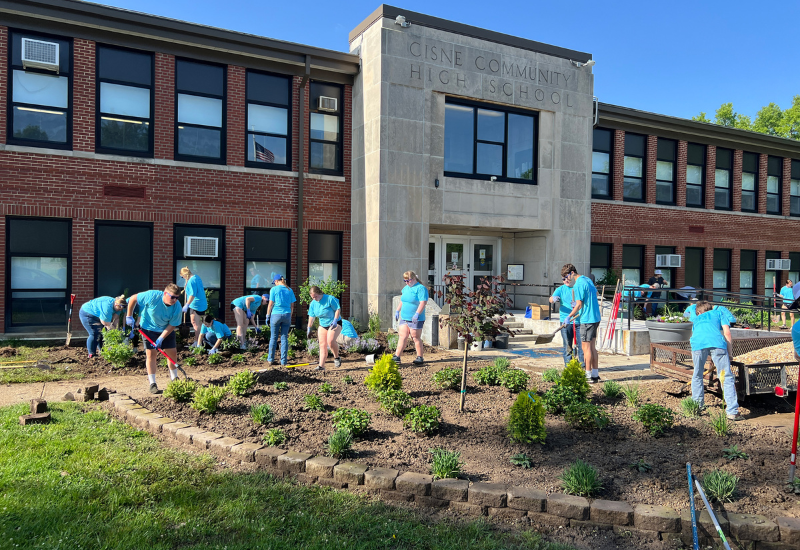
(31,132)
(702,118)
(790,125)
(726,116)
(768,120)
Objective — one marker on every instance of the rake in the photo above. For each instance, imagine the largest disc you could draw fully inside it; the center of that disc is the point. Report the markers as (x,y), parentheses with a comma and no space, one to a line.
(177,366)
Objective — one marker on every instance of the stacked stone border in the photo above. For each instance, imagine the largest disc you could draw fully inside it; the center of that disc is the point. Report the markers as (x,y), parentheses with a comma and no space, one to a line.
(496,500)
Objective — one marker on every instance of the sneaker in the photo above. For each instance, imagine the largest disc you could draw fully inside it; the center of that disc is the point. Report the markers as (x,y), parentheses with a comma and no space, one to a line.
(319,367)
(337,362)
(272,362)
(418,361)
(396,359)
(735,417)
(91,355)
(154,388)
(242,346)
(594,380)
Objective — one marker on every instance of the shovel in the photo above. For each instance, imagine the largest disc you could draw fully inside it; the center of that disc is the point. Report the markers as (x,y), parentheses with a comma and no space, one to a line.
(69,318)
(547,338)
(177,366)
(39,365)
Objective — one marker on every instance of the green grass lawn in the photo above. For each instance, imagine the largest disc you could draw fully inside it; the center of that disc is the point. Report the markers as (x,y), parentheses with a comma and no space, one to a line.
(25,375)
(89,481)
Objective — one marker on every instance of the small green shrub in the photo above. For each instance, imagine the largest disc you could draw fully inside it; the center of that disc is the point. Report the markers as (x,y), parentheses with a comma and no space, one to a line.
(291,354)
(526,419)
(274,437)
(115,350)
(190,361)
(114,336)
(262,413)
(558,398)
(448,378)
(340,444)
(642,466)
(490,375)
(719,423)
(242,382)
(574,378)
(422,419)
(325,388)
(445,464)
(733,453)
(580,479)
(356,324)
(181,390)
(586,416)
(296,339)
(690,408)
(215,359)
(374,323)
(395,402)
(611,389)
(522,460)
(631,393)
(354,421)
(501,363)
(313,403)
(384,375)
(391,342)
(720,485)
(280,386)
(552,375)
(206,399)
(200,350)
(654,418)
(238,358)
(231,343)
(347,379)
(515,380)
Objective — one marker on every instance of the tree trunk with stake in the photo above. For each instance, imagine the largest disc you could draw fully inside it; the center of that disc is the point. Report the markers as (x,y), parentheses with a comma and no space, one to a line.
(463,380)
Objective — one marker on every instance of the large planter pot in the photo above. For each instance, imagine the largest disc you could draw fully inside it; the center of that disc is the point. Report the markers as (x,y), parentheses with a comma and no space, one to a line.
(661,333)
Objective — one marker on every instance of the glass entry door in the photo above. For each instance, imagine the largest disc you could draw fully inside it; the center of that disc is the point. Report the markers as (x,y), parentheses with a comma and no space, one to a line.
(482,262)
(474,258)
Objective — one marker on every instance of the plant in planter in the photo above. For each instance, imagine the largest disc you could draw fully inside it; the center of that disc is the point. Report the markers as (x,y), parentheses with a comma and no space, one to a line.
(669,327)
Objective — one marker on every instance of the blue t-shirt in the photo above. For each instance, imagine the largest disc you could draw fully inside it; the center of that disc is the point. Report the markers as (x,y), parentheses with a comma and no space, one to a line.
(257,281)
(796,337)
(102,308)
(566,303)
(724,313)
(690,312)
(641,293)
(788,296)
(220,329)
(348,329)
(707,327)
(410,299)
(241,302)
(324,310)
(586,293)
(194,287)
(283,298)
(156,315)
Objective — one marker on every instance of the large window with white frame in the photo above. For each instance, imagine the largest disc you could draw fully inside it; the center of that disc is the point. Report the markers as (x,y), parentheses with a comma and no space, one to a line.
(484,141)
(749,182)
(268,115)
(722,179)
(633,180)
(601,163)
(40,105)
(695,175)
(774,184)
(666,152)
(199,111)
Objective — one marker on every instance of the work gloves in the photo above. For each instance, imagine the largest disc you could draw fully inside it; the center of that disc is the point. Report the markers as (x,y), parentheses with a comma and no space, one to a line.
(396,315)
(415,318)
(213,351)
(130,321)
(308,332)
(185,308)
(249,314)
(258,330)
(159,341)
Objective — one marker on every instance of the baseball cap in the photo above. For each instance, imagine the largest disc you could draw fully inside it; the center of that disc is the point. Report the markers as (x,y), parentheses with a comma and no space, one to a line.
(796,294)
(276,277)
(658,272)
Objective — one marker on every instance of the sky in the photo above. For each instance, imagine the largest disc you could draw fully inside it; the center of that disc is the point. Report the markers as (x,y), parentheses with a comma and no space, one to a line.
(675,58)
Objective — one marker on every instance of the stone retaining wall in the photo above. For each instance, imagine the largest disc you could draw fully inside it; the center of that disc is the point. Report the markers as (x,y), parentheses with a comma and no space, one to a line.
(498,500)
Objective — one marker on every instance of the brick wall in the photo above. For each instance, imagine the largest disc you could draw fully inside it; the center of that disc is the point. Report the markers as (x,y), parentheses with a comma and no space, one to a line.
(618,170)
(651,159)
(736,182)
(711,167)
(680,180)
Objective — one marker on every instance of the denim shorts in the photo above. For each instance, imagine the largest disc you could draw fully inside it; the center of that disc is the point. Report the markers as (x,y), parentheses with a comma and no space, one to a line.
(412,325)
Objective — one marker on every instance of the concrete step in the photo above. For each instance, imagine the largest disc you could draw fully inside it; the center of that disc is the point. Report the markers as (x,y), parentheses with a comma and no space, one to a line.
(522,338)
(514,325)
(523,331)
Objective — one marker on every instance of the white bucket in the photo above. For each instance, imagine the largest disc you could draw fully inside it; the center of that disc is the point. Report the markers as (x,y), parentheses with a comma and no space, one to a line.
(370,359)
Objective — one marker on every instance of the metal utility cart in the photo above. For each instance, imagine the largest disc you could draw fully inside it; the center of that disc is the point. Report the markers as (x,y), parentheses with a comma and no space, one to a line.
(674,360)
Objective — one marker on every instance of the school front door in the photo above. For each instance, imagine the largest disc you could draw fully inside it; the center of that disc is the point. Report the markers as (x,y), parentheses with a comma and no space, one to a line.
(474,257)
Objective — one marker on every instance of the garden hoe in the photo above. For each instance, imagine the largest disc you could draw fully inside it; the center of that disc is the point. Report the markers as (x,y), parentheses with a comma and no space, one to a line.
(547,338)
(177,366)
(39,365)
(69,318)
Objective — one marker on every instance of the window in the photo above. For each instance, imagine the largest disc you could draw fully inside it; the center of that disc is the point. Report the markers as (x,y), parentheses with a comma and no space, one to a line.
(722,179)
(694,272)
(324,256)
(266,254)
(600,260)
(749,182)
(38,256)
(601,164)
(39,110)
(268,115)
(774,175)
(632,264)
(118,244)
(794,271)
(125,101)
(199,112)
(210,270)
(747,271)
(695,175)
(665,171)
(633,181)
(794,209)
(668,273)
(482,142)
(325,137)
(722,272)
(772,279)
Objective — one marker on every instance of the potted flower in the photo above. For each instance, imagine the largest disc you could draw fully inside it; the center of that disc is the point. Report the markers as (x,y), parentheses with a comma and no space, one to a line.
(670,327)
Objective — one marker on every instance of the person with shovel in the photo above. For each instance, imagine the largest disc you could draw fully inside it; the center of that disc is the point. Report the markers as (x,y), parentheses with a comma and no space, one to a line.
(279,313)
(98,313)
(587,311)
(244,309)
(195,302)
(571,331)
(160,314)
(327,309)
(214,333)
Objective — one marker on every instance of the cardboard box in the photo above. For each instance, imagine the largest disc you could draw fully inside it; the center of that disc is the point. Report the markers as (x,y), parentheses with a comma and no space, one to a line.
(539,312)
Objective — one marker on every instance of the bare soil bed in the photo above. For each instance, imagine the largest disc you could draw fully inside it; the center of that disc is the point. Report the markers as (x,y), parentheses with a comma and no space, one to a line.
(480,435)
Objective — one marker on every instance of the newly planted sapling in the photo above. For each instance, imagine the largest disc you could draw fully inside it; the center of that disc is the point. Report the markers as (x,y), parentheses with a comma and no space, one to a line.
(395,402)
(631,393)
(654,418)
(423,419)
(281,386)
(515,380)
(384,375)
(347,379)
(181,390)
(206,400)
(242,382)
(339,444)
(262,413)
(733,453)
(580,479)
(445,464)
(612,389)
(642,466)
(238,358)
(447,378)
(354,421)
(522,460)
(313,403)
(526,419)
(586,416)
(199,350)
(690,408)
(325,388)
(190,361)
(274,437)
(720,485)
(719,423)
(551,375)
(215,359)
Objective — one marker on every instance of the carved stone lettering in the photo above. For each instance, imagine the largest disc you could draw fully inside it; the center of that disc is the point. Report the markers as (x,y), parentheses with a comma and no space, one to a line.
(523,91)
(446,55)
(492,86)
(418,53)
(494,65)
(458,58)
(508,70)
(446,75)
(480,63)
(555,97)
(415,69)
(569,101)
(539,94)
(543,76)
(460,79)
(508,89)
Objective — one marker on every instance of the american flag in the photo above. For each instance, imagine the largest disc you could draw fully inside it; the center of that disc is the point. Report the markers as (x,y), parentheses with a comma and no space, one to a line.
(263,154)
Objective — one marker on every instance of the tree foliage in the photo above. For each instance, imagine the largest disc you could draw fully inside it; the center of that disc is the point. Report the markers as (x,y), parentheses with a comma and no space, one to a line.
(770,119)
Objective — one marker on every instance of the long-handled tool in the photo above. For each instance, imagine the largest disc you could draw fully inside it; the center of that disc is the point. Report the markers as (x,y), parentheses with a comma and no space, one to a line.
(69,318)
(39,365)
(695,543)
(547,338)
(711,513)
(300,365)
(793,458)
(177,366)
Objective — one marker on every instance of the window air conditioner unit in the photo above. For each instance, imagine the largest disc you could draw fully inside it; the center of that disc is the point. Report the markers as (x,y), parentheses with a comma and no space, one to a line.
(779,265)
(668,260)
(327,104)
(200,247)
(39,54)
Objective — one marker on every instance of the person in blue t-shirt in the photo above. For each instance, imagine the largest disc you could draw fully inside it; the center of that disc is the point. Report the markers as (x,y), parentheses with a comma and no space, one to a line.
(160,314)
(195,302)
(325,308)
(787,298)
(564,296)
(410,316)
(711,335)
(98,313)
(256,279)
(214,333)
(279,313)
(587,312)
(244,309)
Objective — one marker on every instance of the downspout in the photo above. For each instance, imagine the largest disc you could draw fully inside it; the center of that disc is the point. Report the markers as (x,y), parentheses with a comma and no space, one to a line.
(301,163)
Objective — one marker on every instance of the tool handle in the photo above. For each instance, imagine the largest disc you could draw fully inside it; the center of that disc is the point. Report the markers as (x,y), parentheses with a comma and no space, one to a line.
(711,513)
(159,349)
(695,542)
(71,299)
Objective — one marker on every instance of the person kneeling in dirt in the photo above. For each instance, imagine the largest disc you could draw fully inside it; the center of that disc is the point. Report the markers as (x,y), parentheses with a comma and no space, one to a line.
(711,335)
(214,333)
(160,314)
(348,336)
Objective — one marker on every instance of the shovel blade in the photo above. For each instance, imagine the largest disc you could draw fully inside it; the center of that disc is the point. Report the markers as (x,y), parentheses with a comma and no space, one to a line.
(69,338)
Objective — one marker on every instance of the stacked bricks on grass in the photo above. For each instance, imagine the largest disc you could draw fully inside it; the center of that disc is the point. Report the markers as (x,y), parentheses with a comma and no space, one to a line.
(268,457)
(142,420)
(611,512)
(38,406)
(706,532)
(202,441)
(490,497)
(156,425)
(568,506)
(222,446)
(292,462)
(39,418)
(663,519)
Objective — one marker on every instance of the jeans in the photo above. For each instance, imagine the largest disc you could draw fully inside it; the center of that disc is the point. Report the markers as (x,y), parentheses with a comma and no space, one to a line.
(94,327)
(722,361)
(279,323)
(566,336)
